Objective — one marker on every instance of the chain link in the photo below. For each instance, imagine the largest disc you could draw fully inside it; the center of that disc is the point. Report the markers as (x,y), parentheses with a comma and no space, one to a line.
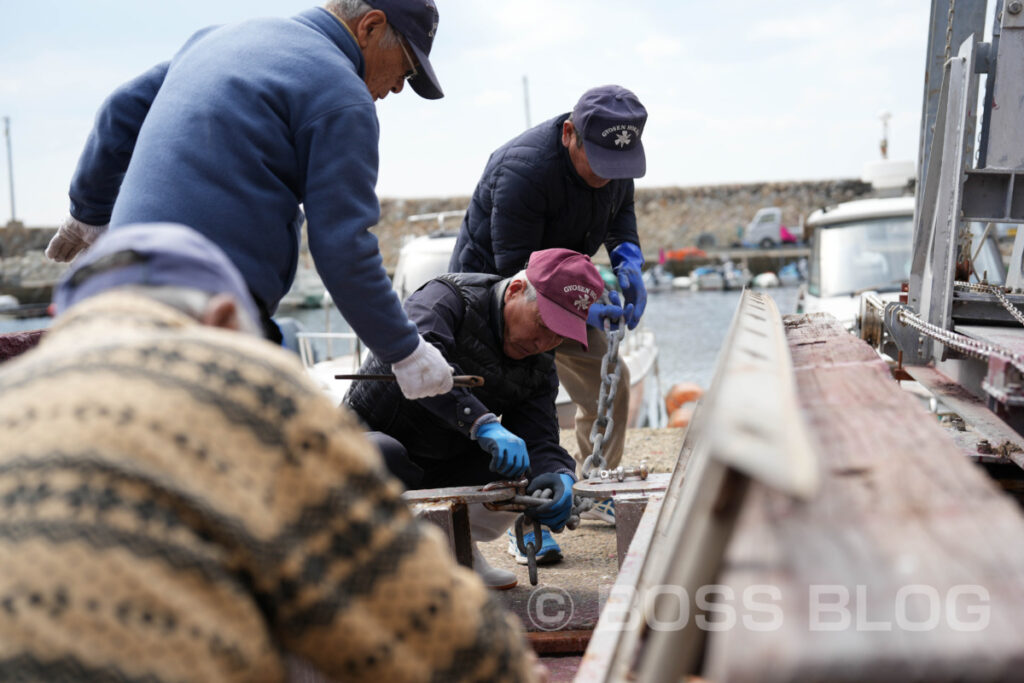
(959,342)
(611,372)
(949,30)
(603,423)
(997,292)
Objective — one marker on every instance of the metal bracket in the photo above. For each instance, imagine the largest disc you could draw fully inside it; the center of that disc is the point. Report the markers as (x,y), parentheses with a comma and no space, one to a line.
(908,340)
(1004,382)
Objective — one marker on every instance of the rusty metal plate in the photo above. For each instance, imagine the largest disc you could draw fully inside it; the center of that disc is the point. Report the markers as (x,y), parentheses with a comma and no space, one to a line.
(597,488)
(458,494)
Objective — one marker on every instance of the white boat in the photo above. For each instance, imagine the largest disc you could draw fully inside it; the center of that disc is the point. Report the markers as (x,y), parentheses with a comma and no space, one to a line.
(765,280)
(707,278)
(325,354)
(657,279)
(421,260)
(681,282)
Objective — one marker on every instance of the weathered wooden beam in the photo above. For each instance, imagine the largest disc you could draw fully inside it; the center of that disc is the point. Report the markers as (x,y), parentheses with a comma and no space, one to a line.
(908,565)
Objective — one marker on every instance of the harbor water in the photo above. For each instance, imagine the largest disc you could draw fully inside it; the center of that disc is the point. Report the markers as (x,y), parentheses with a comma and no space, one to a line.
(689,328)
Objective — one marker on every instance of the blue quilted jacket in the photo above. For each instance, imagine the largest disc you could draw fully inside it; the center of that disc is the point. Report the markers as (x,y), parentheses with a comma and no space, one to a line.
(530,198)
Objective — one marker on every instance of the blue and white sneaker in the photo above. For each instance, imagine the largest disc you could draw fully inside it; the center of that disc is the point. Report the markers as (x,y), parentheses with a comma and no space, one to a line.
(603,511)
(549,552)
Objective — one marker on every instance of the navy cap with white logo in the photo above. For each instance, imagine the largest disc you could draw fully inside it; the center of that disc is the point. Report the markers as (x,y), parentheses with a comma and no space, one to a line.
(610,120)
(416,21)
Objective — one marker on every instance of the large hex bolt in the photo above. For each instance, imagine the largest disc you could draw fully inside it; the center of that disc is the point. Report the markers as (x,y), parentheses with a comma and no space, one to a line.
(620,473)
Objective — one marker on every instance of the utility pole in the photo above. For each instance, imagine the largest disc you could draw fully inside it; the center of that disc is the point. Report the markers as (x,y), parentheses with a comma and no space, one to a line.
(884,144)
(10,164)
(526,99)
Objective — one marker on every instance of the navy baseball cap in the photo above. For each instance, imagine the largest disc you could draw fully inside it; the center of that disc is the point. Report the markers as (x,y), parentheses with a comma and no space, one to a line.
(610,121)
(416,21)
(154,254)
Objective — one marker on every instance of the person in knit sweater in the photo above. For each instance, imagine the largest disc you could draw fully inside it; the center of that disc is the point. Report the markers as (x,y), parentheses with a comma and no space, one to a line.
(180,503)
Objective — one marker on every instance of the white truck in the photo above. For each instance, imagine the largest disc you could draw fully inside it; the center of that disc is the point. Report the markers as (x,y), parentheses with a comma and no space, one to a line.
(767,230)
(857,247)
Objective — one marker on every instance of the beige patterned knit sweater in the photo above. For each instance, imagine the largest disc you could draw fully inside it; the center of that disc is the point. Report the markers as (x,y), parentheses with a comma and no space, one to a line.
(179,503)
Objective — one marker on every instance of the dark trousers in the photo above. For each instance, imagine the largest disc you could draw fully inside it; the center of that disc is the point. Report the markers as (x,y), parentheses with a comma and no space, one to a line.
(464,468)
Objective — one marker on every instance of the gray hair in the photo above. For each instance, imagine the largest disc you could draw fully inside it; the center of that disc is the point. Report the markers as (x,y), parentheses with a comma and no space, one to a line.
(529,291)
(350,11)
(191,302)
(576,132)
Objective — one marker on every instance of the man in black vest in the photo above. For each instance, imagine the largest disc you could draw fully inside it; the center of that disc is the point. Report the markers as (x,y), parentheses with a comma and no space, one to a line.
(504,330)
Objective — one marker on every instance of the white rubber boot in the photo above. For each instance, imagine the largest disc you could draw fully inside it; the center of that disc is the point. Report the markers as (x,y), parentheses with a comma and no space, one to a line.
(487,525)
(498,579)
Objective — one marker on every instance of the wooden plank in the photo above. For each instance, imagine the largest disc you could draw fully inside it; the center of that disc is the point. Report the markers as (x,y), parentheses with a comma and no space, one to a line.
(604,642)
(559,642)
(905,529)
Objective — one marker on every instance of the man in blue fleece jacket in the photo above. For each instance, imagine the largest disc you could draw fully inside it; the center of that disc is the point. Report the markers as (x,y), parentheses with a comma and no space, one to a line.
(248,121)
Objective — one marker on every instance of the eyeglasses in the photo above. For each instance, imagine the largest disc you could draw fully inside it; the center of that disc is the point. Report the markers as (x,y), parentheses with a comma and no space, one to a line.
(411,73)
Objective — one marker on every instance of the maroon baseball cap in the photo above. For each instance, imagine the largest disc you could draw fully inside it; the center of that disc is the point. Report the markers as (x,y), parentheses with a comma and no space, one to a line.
(567,282)
(611,120)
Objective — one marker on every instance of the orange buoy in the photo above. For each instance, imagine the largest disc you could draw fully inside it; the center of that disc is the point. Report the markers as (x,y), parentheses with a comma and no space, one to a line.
(681,394)
(680,417)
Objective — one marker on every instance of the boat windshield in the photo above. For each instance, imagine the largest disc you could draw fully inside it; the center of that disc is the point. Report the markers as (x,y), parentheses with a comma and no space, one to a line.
(861,255)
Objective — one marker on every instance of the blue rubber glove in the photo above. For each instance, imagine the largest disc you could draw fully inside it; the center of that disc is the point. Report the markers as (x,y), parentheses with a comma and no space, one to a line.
(508,451)
(628,263)
(613,311)
(556,513)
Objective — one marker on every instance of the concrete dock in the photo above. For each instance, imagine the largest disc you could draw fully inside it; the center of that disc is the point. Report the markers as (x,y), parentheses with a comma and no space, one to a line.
(564,607)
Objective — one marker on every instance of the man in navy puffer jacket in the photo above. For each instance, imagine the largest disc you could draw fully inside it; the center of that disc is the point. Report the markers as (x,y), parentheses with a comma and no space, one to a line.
(245,123)
(568,182)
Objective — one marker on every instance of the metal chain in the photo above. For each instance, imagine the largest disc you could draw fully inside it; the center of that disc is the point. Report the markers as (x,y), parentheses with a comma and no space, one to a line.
(997,291)
(611,372)
(595,463)
(529,549)
(959,342)
(520,502)
(949,30)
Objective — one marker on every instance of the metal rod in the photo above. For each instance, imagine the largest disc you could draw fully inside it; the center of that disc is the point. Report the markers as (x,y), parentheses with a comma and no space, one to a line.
(457,380)
(526,100)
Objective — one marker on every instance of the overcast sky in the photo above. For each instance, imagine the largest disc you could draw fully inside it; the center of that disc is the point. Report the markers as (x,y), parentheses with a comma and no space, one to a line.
(737,91)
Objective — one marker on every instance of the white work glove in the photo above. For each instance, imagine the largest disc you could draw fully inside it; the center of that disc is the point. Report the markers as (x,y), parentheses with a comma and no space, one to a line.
(72,237)
(424,372)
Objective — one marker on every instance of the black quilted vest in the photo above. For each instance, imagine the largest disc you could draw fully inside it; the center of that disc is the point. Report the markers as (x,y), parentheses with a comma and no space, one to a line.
(507,382)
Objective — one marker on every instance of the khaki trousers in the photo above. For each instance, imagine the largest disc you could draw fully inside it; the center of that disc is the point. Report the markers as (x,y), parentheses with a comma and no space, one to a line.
(579,372)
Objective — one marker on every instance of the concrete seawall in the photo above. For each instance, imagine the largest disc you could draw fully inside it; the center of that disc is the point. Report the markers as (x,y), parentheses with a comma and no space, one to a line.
(667,217)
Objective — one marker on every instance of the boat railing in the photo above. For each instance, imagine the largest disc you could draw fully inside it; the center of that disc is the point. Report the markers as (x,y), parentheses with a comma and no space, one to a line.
(315,347)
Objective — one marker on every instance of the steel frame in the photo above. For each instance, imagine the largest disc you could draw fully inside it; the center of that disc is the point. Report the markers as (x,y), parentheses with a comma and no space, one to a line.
(953,193)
